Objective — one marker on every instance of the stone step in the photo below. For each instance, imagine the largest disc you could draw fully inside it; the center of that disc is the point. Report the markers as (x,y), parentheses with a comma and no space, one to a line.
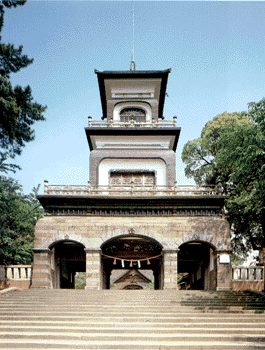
(126,305)
(80,301)
(141,298)
(249,324)
(132,329)
(127,313)
(135,309)
(128,336)
(129,320)
(130,313)
(61,319)
(127,345)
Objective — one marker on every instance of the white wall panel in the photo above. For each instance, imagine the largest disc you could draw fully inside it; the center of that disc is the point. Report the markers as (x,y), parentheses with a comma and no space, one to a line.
(157,165)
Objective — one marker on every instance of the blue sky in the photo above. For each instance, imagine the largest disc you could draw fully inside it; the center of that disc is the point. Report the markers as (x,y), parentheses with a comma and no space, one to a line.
(216,51)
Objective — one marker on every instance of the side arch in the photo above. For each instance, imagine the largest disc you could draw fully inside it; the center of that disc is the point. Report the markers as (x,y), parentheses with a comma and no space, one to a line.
(66,241)
(199,241)
(197,265)
(67,258)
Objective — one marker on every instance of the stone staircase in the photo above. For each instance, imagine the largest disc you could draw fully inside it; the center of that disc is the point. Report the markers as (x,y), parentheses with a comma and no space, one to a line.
(82,319)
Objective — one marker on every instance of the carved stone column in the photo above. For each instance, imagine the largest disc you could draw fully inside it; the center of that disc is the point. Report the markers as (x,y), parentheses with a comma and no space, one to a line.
(93,269)
(171,269)
(41,273)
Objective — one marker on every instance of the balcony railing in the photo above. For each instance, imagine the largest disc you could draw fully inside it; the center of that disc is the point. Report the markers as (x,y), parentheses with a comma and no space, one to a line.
(129,191)
(248,274)
(132,124)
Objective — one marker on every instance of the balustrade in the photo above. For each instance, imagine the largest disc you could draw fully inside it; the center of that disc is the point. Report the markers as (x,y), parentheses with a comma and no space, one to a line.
(83,190)
(132,124)
(15,272)
(250,274)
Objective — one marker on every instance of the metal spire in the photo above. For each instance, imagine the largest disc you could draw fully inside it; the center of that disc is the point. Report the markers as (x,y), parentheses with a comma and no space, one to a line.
(132,68)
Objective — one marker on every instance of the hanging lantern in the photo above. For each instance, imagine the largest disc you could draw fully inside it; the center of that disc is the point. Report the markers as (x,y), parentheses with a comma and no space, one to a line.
(139,264)
(122,263)
(148,262)
(115,262)
(131,263)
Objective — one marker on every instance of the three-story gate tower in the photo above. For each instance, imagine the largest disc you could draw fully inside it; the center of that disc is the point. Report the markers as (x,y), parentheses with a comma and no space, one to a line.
(132,214)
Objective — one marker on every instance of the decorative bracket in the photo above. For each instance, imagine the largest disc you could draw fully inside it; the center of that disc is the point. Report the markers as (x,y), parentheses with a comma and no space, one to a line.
(131,231)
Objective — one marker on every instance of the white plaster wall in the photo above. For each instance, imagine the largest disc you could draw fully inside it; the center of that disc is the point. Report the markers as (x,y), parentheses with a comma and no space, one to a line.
(157,165)
(144,106)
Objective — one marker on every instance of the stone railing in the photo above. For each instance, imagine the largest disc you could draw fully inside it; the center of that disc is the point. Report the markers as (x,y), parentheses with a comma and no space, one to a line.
(18,276)
(125,191)
(132,124)
(248,274)
(15,272)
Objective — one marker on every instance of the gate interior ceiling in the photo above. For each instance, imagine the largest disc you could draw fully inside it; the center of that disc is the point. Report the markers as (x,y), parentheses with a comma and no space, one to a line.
(120,250)
(73,254)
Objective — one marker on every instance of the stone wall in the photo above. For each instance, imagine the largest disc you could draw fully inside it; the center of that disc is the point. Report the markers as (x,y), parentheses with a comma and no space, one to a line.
(248,285)
(170,232)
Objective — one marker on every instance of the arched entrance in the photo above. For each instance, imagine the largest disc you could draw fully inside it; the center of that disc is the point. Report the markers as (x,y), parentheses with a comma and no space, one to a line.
(197,266)
(67,258)
(135,252)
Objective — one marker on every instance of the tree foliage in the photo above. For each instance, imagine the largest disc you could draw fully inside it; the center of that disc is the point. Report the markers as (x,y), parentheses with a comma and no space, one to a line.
(231,152)
(18,216)
(17,109)
(200,155)
(243,152)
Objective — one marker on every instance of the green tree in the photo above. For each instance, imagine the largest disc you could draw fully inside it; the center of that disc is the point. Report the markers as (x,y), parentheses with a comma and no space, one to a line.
(242,151)
(199,155)
(80,280)
(230,152)
(18,216)
(17,109)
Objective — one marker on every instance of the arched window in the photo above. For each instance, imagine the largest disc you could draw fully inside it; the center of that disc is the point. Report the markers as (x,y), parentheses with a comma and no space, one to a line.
(132,113)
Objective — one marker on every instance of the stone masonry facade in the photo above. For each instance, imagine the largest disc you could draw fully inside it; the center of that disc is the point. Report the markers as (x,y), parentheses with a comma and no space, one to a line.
(92,232)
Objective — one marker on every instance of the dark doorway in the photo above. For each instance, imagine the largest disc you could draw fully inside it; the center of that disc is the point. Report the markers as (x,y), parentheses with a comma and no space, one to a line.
(67,258)
(197,266)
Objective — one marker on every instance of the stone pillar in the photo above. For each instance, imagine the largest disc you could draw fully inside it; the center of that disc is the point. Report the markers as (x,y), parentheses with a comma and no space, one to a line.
(171,269)
(41,274)
(93,269)
(224,271)
(262,260)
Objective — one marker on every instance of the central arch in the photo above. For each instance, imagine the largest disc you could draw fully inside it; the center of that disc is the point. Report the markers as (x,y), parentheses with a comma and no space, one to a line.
(131,252)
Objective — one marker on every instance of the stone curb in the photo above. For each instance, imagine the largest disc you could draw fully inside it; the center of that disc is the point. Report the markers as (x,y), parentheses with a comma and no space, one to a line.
(11,289)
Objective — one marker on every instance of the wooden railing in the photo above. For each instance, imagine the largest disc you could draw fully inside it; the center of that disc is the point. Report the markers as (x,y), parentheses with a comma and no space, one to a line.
(248,274)
(125,191)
